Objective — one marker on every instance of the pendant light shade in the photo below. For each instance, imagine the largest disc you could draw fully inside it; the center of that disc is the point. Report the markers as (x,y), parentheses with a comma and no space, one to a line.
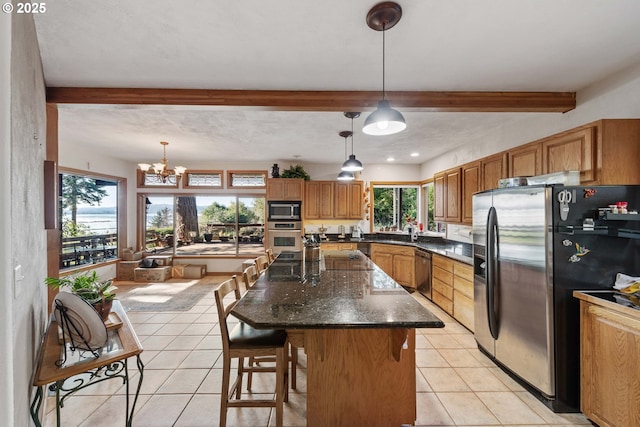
(352,164)
(385,120)
(345,175)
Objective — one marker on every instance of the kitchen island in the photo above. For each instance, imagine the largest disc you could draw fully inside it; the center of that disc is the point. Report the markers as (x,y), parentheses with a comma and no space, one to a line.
(357,327)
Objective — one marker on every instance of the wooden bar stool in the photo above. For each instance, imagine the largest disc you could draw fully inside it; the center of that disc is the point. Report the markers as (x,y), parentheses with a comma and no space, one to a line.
(244,341)
(262,263)
(270,255)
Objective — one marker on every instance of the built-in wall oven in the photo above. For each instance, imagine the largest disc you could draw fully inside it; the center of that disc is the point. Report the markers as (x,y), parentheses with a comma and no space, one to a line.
(285,236)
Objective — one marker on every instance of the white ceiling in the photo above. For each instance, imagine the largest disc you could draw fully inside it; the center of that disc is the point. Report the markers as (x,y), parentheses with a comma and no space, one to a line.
(452,45)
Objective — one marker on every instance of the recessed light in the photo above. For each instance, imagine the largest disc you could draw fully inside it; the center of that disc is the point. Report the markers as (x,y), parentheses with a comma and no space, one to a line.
(390,159)
(415,154)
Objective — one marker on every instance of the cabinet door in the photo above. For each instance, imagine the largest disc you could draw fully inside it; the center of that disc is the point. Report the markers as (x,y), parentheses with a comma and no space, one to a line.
(354,200)
(384,261)
(438,196)
(470,184)
(293,189)
(341,203)
(452,185)
(275,189)
(610,375)
(525,160)
(318,200)
(493,169)
(404,270)
(572,151)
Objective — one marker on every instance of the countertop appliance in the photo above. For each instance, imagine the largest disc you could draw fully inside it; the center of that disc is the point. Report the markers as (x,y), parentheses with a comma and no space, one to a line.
(423,272)
(532,246)
(284,211)
(284,236)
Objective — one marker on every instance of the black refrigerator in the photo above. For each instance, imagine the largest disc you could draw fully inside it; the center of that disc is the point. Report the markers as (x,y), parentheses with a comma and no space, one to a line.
(532,247)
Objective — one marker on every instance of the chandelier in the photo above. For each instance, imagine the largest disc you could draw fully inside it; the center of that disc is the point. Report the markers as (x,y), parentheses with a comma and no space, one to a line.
(162,173)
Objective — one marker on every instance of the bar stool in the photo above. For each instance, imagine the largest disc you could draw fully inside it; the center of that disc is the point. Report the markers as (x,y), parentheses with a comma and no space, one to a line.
(249,276)
(270,255)
(262,263)
(244,341)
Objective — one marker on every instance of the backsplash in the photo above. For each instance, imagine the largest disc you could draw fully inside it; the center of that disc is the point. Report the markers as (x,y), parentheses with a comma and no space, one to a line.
(459,233)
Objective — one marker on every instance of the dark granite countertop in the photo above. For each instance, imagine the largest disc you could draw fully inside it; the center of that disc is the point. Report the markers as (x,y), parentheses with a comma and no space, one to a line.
(456,250)
(342,290)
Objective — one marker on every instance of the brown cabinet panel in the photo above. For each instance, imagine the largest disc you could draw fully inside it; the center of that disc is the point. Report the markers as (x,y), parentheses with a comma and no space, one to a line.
(285,189)
(493,169)
(525,160)
(348,200)
(463,309)
(470,185)
(610,374)
(571,151)
(404,270)
(397,261)
(438,195)
(442,301)
(452,190)
(318,200)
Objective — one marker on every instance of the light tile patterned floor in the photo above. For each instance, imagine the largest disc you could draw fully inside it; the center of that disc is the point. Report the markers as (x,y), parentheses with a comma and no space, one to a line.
(456,384)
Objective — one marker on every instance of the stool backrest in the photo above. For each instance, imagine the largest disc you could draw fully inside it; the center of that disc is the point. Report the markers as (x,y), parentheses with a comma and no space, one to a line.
(249,276)
(270,255)
(262,262)
(224,307)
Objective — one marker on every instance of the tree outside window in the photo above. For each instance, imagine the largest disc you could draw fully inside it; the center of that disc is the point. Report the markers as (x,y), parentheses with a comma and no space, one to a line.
(394,206)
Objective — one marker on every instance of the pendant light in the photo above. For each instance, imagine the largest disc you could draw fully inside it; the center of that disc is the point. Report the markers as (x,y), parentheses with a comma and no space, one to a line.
(385,120)
(345,175)
(352,164)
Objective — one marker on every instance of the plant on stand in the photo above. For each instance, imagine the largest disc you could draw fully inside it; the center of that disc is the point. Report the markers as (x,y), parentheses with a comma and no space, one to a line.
(88,286)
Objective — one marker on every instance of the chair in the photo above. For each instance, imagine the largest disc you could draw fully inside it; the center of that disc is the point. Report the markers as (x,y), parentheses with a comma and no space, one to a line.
(262,262)
(249,276)
(270,255)
(241,342)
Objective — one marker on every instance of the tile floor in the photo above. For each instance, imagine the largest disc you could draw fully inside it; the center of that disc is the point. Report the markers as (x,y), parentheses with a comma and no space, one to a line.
(456,384)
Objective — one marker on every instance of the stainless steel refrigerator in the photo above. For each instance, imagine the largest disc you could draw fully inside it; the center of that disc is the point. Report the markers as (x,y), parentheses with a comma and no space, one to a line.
(532,247)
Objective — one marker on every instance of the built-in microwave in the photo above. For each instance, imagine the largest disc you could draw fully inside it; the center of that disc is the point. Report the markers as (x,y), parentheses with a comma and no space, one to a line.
(284,211)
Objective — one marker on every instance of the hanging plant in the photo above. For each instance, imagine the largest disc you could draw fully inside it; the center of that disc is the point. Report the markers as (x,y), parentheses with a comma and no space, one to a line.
(296,171)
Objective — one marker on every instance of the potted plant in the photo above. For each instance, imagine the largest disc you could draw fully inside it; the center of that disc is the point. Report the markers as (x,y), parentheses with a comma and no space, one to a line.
(88,286)
(296,171)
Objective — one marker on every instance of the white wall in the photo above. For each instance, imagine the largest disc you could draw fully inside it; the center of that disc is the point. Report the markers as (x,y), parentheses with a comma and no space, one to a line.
(23,237)
(616,97)
(6,299)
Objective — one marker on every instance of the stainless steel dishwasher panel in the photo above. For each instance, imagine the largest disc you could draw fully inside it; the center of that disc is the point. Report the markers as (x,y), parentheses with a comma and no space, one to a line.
(423,272)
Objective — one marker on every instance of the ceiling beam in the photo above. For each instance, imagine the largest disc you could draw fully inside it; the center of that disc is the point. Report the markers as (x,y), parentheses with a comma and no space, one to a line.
(289,100)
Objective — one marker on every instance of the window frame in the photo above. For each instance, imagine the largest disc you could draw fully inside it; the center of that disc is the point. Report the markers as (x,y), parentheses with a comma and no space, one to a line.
(185,179)
(121,217)
(395,184)
(230,174)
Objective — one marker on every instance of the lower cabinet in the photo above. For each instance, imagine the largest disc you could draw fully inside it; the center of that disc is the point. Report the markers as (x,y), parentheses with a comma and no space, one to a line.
(452,288)
(610,372)
(338,246)
(397,261)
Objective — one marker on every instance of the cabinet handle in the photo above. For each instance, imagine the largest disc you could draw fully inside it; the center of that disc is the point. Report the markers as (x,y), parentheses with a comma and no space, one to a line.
(614,317)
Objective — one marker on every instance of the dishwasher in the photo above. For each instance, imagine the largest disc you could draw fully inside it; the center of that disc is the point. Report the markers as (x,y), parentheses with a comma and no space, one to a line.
(423,272)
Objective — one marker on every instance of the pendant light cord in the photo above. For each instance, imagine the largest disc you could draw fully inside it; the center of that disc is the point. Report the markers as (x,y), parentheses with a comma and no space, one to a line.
(351,135)
(384,25)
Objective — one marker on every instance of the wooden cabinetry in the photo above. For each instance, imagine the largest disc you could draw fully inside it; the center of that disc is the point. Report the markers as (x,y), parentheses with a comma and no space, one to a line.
(470,184)
(525,160)
(452,288)
(493,169)
(463,294)
(397,261)
(338,246)
(447,187)
(318,200)
(442,282)
(285,189)
(348,200)
(333,200)
(610,373)
(571,151)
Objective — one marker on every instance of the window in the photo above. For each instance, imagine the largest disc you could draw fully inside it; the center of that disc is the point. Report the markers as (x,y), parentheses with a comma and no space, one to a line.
(89,218)
(202,179)
(247,179)
(150,179)
(427,202)
(205,225)
(394,206)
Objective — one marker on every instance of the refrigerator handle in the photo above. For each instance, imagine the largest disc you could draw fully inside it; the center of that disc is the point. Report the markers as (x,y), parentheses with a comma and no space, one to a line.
(492,270)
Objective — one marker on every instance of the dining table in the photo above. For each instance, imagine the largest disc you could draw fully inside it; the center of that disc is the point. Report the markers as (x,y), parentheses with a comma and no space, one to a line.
(357,328)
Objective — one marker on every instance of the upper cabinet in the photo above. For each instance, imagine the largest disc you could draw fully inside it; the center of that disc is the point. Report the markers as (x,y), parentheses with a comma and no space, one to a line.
(605,152)
(571,151)
(471,183)
(494,168)
(333,200)
(318,199)
(447,187)
(525,160)
(285,189)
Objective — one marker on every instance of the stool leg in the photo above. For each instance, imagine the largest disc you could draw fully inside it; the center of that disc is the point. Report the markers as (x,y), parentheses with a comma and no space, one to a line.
(281,364)
(294,366)
(239,380)
(250,373)
(224,397)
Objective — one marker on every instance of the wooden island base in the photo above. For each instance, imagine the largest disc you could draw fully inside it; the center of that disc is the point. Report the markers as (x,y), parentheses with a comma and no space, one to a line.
(359,377)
